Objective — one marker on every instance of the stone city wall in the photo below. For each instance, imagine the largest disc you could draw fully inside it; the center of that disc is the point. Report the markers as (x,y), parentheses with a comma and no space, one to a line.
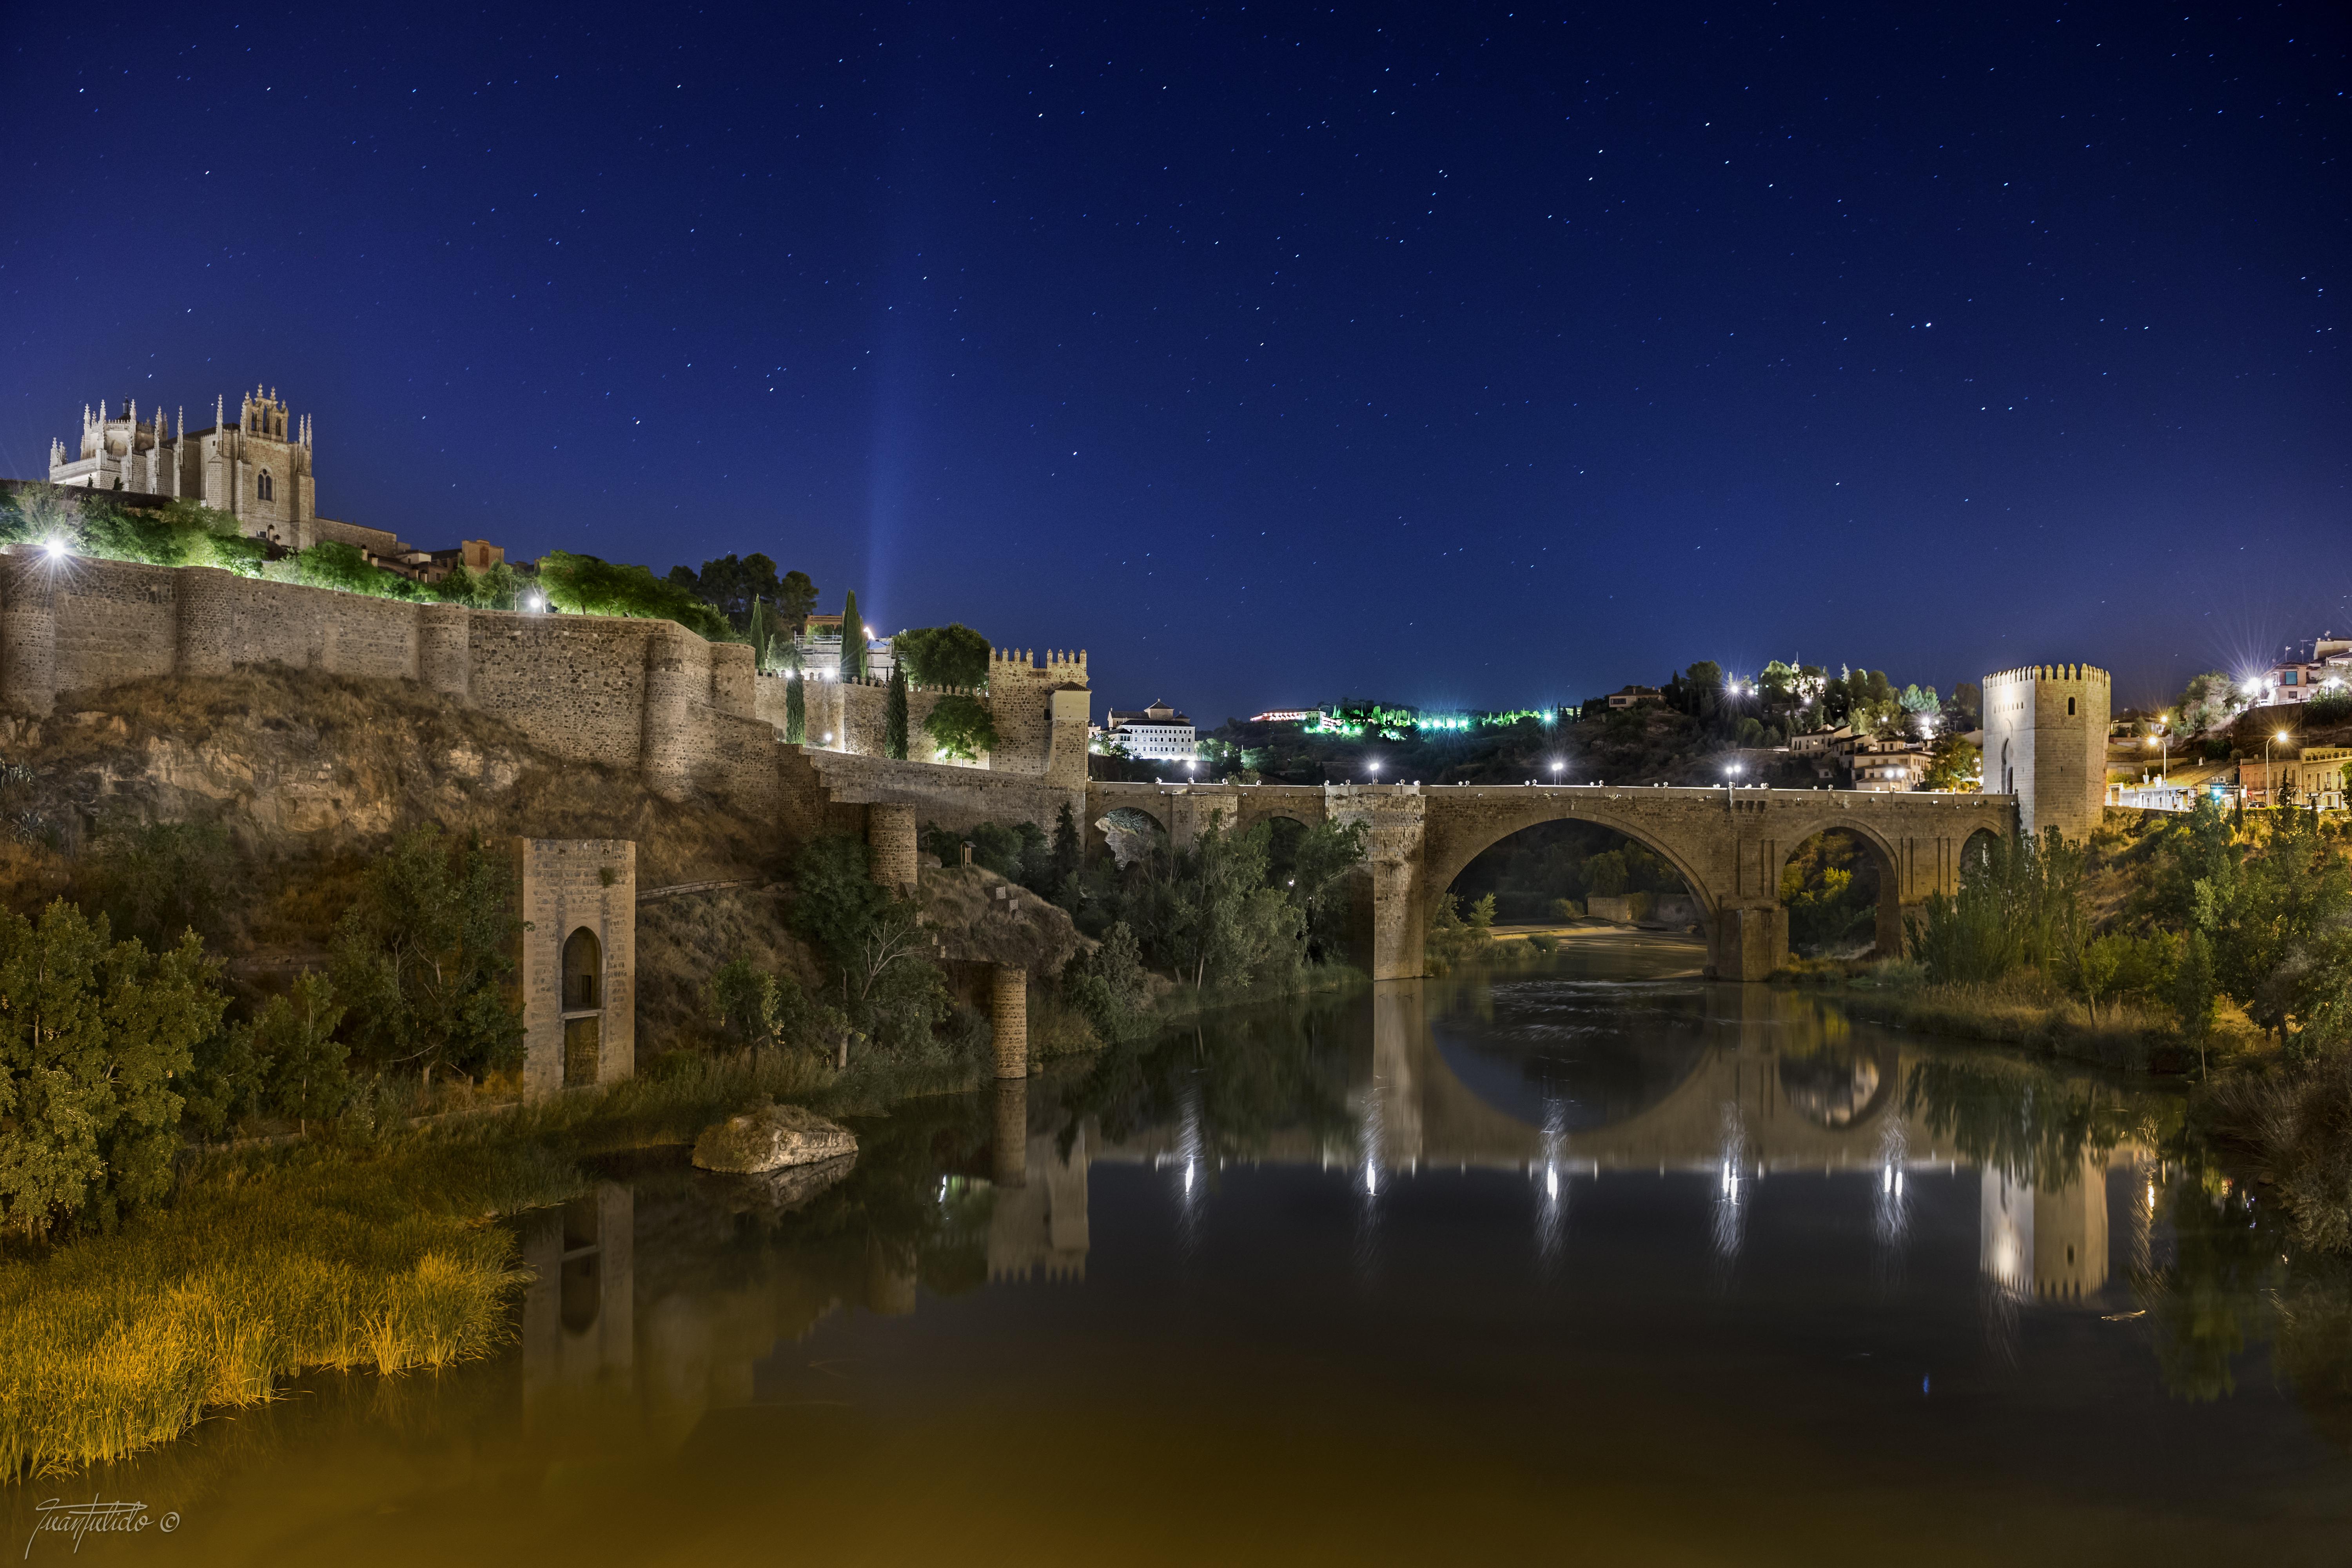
(619,691)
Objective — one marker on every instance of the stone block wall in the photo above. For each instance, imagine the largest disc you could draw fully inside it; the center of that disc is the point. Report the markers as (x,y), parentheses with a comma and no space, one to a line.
(623,692)
(956,798)
(562,885)
(2045,741)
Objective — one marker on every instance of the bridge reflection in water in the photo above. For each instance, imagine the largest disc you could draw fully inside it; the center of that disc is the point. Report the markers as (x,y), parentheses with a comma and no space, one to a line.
(1769,1082)
(1749,1085)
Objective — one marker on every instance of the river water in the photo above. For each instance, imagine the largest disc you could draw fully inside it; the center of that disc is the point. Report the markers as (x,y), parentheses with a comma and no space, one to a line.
(1596,1264)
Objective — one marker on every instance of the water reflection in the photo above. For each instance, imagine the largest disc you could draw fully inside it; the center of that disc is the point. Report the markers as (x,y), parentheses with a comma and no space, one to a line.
(1404,1230)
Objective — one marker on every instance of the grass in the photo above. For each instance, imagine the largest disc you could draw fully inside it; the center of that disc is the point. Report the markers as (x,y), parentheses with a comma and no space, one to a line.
(2019,1009)
(376,1255)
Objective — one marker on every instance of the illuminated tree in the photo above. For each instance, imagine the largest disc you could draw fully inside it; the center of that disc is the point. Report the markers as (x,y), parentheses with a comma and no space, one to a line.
(894,719)
(852,641)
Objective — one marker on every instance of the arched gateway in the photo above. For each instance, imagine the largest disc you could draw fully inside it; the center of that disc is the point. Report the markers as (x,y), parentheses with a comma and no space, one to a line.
(1727,845)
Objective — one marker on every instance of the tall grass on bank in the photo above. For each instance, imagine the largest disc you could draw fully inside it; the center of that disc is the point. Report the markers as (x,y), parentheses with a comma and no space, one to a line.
(2018,1009)
(262,1267)
(358,1250)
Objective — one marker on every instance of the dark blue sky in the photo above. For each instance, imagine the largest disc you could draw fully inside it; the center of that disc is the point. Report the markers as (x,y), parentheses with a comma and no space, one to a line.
(1435,354)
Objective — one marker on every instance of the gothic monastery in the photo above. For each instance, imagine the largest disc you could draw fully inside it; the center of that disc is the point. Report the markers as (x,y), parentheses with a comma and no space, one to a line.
(257,470)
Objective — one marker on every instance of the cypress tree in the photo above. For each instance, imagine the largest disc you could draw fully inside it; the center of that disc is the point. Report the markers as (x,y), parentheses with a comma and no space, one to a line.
(795,700)
(852,641)
(893,718)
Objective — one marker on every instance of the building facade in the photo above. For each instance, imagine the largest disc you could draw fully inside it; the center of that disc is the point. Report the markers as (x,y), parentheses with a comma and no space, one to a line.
(257,470)
(2305,672)
(1154,734)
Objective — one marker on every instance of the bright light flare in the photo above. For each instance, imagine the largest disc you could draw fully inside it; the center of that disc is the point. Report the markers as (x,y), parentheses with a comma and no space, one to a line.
(56,549)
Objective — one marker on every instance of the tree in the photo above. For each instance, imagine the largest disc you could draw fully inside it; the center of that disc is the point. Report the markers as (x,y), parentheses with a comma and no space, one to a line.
(852,641)
(795,700)
(423,954)
(2209,702)
(588,586)
(156,879)
(285,1062)
(961,727)
(771,636)
(894,716)
(796,597)
(732,586)
(874,941)
(953,656)
(757,1009)
(1325,853)
(93,1033)
(1068,858)
(1952,764)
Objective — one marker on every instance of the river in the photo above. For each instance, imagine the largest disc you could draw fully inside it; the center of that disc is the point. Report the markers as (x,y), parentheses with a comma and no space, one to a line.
(1600,1263)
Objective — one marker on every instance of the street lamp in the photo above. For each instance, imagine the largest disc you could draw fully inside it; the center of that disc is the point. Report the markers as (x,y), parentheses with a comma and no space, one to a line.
(56,549)
(1375,769)
(1554,770)
(2269,796)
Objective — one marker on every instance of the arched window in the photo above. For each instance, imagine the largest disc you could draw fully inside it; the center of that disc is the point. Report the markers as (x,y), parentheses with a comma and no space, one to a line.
(584,966)
(263,490)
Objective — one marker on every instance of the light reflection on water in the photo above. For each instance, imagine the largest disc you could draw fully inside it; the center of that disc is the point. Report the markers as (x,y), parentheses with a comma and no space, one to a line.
(1656,1271)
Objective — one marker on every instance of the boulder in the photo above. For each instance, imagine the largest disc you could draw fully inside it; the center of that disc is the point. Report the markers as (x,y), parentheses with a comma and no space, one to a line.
(770,1138)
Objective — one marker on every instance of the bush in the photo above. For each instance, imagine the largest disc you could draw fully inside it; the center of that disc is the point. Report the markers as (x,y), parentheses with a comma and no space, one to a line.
(92,1034)
(422,957)
(1108,986)
(588,586)
(961,727)
(953,654)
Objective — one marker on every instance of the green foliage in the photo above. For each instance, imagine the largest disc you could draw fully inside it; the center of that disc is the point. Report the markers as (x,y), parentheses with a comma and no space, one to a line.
(154,881)
(2210,701)
(92,1034)
(796,597)
(732,586)
(184,535)
(894,716)
(953,654)
(1208,913)
(587,585)
(329,565)
(1952,764)
(874,942)
(961,727)
(286,1063)
(1320,862)
(772,637)
(1108,986)
(853,640)
(757,1009)
(423,954)
(499,587)
(1067,860)
(795,700)
(1451,937)
(1830,888)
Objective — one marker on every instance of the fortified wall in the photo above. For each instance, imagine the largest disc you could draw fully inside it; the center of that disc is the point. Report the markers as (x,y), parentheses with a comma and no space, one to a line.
(619,691)
(2045,741)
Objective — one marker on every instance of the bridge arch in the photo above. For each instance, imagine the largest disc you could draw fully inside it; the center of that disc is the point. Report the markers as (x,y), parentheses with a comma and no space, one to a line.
(1885,860)
(1452,852)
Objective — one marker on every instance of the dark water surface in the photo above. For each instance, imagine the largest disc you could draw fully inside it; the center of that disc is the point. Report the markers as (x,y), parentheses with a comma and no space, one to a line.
(1605,1265)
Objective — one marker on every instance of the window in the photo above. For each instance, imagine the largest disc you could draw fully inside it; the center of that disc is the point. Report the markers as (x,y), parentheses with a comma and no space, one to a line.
(262,488)
(2070,708)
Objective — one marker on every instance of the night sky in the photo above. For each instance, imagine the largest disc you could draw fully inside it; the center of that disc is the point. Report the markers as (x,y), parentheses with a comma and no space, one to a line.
(1452,355)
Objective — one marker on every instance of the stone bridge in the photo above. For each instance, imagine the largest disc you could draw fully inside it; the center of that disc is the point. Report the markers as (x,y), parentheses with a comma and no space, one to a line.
(1727,845)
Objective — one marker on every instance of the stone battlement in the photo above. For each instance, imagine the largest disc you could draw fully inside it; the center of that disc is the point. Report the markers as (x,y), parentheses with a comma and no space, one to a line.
(2087,674)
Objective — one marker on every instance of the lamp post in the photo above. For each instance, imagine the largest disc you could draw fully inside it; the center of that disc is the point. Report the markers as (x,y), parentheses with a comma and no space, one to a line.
(1555,772)
(2270,793)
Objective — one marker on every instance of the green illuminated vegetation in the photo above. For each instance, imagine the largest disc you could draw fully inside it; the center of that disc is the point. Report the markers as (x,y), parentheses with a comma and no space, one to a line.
(952,656)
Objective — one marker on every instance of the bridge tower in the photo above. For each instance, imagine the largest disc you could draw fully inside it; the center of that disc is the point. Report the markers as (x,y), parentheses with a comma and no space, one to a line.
(2045,741)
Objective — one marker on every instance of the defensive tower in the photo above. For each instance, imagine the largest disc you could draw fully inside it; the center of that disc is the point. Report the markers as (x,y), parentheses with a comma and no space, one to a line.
(2045,741)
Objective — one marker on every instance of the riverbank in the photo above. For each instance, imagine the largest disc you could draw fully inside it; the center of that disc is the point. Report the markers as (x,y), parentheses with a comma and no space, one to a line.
(345,1252)
(2018,1010)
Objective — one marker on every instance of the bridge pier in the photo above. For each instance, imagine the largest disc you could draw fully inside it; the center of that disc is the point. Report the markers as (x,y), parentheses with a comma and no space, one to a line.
(1750,942)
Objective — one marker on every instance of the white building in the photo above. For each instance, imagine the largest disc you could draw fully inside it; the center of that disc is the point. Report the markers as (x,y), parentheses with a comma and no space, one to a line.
(2298,679)
(1154,734)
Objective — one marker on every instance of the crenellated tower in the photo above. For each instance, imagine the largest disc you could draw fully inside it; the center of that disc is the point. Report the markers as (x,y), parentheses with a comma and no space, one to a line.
(2045,741)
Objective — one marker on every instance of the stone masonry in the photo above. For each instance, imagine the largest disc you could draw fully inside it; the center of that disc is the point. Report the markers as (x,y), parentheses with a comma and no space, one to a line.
(2045,741)
(585,1034)
(1728,846)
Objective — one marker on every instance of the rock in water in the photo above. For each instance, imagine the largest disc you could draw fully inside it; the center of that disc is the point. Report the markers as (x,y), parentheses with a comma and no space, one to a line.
(770,1138)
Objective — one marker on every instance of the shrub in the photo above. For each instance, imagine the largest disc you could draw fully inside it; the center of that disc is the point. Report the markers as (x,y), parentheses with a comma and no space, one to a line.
(92,1032)
(961,727)
(589,586)
(953,654)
